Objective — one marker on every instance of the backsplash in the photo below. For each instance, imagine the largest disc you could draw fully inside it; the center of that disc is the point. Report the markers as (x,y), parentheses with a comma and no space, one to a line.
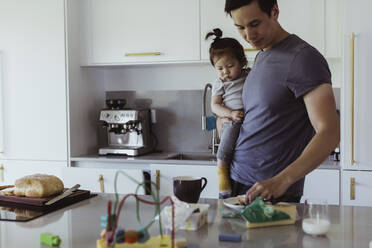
(178,117)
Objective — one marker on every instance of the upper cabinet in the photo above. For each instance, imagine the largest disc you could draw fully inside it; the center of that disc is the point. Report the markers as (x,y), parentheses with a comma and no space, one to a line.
(33,80)
(141,31)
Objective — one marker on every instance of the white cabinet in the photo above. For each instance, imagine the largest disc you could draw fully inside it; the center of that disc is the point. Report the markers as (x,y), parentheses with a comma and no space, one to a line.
(168,171)
(306,19)
(322,184)
(301,17)
(141,31)
(356,119)
(11,170)
(33,80)
(103,180)
(357,188)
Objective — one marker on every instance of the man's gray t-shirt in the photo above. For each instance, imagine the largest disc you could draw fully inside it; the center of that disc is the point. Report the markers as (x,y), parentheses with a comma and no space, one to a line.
(276,126)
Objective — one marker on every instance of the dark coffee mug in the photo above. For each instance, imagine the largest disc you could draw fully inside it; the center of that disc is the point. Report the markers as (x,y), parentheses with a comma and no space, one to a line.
(188,189)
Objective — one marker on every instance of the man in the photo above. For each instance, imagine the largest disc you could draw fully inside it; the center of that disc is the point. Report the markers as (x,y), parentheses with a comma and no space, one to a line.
(290,124)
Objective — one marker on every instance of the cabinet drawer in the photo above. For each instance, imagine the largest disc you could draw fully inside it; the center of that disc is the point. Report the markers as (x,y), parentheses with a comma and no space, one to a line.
(323,184)
(168,171)
(103,180)
(357,188)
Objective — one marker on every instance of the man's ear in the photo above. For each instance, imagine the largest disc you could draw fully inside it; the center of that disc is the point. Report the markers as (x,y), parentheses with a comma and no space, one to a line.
(275,11)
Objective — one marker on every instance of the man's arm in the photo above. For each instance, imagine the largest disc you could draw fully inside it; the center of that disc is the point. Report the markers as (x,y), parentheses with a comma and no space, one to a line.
(321,108)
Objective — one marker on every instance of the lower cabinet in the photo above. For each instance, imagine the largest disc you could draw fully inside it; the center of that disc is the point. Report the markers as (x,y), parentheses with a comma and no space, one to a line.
(11,170)
(103,180)
(164,173)
(357,188)
(322,184)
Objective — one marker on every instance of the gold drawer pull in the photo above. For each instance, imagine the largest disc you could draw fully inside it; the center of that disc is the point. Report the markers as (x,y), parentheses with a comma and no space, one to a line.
(157,178)
(251,50)
(1,173)
(352,188)
(101,183)
(143,54)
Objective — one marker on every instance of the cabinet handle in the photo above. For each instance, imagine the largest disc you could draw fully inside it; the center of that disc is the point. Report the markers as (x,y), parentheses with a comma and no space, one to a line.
(157,178)
(101,183)
(143,54)
(352,188)
(251,50)
(352,39)
(1,173)
(1,106)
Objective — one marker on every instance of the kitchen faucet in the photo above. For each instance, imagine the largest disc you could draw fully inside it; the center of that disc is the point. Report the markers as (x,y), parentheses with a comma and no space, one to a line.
(204,120)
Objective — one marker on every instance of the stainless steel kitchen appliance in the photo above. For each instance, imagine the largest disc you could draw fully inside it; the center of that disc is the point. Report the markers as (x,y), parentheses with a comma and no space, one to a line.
(128,130)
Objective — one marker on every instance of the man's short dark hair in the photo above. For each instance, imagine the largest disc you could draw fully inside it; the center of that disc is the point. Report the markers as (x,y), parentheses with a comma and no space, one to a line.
(265,5)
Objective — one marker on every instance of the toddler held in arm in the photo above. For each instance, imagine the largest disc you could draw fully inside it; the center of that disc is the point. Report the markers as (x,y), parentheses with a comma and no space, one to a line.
(228,58)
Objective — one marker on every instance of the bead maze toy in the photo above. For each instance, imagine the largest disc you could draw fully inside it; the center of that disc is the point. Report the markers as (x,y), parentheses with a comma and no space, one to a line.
(115,236)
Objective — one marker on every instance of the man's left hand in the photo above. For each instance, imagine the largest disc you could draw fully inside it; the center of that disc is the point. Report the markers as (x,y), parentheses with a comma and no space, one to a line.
(267,189)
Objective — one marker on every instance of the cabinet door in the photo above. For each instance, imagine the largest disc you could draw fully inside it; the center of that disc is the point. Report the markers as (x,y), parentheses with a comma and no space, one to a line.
(103,180)
(168,171)
(356,188)
(11,170)
(356,116)
(322,184)
(33,82)
(126,31)
(306,19)
(301,17)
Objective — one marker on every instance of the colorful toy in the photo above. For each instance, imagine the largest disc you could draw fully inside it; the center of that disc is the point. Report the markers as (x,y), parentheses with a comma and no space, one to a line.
(50,239)
(115,236)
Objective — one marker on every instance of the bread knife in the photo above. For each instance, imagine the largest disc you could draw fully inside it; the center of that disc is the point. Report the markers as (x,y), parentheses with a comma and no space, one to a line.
(63,195)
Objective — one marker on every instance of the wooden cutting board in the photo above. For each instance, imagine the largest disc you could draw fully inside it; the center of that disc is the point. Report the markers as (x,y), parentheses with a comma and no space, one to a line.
(284,207)
(39,203)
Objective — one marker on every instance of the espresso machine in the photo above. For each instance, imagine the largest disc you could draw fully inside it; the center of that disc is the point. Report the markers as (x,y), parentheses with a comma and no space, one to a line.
(128,130)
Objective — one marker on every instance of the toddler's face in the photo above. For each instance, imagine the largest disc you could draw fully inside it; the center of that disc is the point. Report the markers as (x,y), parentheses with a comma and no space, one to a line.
(228,68)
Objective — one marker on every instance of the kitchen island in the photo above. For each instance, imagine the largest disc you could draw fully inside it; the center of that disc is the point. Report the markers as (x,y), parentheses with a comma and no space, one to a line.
(79,226)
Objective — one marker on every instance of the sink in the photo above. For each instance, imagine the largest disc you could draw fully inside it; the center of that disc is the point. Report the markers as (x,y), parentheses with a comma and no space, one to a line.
(193,156)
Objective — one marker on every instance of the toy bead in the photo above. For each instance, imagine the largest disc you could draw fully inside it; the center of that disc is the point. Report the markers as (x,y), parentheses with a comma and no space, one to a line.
(103,234)
(143,235)
(104,219)
(50,239)
(108,236)
(131,236)
(119,235)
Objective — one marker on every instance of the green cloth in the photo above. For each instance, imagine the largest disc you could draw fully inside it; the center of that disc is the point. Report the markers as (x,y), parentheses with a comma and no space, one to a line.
(258,212)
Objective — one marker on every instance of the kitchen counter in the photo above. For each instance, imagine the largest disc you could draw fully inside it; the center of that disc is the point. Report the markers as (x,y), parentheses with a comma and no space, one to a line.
(164,158)
(79,226)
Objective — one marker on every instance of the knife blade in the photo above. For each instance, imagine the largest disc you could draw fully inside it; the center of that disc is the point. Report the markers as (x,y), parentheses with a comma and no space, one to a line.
(63,195)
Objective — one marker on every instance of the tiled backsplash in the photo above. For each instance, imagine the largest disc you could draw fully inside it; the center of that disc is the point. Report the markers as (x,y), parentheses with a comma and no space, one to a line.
(178,116)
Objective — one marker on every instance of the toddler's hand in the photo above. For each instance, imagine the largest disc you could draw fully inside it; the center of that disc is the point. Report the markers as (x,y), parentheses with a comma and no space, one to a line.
(237,115)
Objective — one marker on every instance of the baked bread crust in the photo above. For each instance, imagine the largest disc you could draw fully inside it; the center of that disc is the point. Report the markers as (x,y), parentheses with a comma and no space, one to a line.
(38,186)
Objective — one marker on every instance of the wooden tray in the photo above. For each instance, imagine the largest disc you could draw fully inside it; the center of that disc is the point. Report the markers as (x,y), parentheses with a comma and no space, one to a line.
(39,203)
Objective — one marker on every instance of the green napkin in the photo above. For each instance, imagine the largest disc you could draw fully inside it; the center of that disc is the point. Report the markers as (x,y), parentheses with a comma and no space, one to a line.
(258,212)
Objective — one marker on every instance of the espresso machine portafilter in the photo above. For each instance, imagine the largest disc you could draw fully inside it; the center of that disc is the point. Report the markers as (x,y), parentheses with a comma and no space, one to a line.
(128,130)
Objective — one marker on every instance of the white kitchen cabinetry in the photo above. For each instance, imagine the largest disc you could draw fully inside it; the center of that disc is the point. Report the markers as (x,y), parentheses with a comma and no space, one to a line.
(11,170)
(33,80)
(322,184)
(141,31)
(103,180)
(168,171)
(356,117)
(302,17)
(357,188)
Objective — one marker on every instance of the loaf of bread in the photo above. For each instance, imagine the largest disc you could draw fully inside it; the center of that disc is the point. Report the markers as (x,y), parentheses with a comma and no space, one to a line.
(38,186)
